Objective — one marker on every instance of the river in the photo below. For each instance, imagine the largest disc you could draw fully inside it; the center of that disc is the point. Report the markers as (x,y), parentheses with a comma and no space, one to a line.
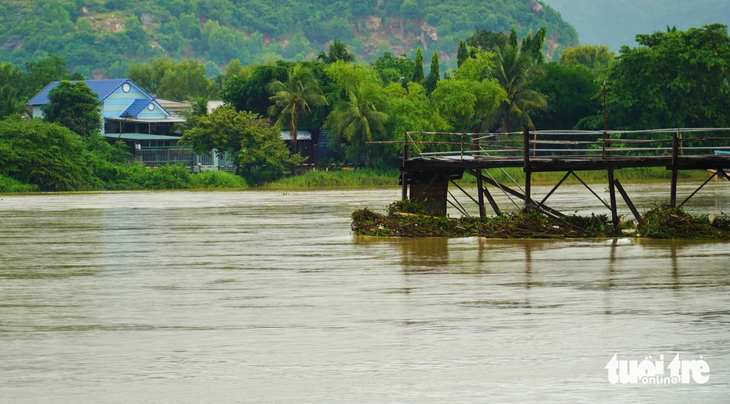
(266,296)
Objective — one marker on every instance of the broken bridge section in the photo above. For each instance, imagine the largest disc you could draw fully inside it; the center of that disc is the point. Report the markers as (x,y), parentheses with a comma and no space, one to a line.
(434,161)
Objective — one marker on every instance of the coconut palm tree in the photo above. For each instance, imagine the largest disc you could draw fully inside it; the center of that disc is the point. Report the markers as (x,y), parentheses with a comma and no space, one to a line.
(337,51)
(357,118)
(295,97)
(514,71)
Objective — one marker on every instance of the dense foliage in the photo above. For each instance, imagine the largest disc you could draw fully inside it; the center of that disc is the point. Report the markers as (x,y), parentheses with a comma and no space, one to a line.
(676,79)
(74,106)
(104,37)
(258,151)
(37,155)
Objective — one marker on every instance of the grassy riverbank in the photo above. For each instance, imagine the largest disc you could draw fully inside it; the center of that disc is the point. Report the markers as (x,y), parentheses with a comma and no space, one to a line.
(406,219)
(136,177)
(389,177)
(343,179)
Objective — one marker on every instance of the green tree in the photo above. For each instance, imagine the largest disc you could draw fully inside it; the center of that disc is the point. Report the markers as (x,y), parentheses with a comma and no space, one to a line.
(394,69)
(186,79)
(418,71)
(462,54)
(357,118)
(250,93)
(596,58)
(337,51)
(10,105)
(44,154)
(74,106)
(467,104)
(514,71)
(258,151)
(487,41)
(408,110)
(41,72)
(572,94)
(434,75)
(294,98)
(675,79)
(11,76)
(533,45)
(477,68)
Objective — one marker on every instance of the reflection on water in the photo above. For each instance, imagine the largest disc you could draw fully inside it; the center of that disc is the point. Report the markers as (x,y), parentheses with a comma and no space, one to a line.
(267,297)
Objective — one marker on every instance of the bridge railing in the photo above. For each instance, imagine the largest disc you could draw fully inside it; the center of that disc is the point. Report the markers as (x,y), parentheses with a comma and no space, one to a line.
(567,143)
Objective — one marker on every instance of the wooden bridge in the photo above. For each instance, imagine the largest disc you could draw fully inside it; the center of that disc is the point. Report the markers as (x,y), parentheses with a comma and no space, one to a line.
(433,160)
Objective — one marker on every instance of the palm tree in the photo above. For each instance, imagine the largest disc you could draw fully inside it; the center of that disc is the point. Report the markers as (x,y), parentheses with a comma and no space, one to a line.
(359,116)
(514,72)
(337,51)
(295,97)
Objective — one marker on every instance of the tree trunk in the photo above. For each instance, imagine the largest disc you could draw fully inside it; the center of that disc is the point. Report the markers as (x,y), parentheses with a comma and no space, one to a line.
(293,133)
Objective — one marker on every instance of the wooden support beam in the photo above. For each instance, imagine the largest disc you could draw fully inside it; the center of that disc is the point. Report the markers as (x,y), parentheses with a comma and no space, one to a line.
(482,210)
(460,188)
(512,192)
(404,181)
(612,192)
(628,201)
(526,165)
(485,191)
(492,202)
(675,157)
(554,189)
(720,170)
(589,188)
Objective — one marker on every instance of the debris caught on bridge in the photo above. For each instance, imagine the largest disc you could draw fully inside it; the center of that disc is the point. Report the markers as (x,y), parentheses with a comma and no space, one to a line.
(408,219)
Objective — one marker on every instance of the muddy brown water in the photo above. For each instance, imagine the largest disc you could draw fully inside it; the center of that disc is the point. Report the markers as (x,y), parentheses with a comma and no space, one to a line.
(266,296)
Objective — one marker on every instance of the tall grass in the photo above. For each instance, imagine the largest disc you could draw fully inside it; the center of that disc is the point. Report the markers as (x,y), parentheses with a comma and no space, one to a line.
(133,176)
(8,185)
(343,179)
(217,180)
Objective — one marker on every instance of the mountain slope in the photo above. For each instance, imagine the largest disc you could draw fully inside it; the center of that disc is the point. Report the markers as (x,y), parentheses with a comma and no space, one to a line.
(102,37)
(617,22)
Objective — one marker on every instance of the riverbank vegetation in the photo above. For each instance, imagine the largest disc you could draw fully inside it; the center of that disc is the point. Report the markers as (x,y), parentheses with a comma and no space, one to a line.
(343,179)
(42,156)
(408,219)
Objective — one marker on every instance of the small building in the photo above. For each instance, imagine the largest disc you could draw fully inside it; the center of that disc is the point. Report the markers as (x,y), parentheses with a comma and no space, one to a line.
(132,115)
(126,110)
(306,145)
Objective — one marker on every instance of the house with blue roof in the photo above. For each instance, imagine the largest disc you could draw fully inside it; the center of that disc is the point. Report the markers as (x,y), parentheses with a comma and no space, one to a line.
(129,113)
(134,116)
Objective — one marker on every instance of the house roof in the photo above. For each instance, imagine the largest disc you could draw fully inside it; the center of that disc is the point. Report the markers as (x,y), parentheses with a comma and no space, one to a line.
(167,119)
(135,107)
(301,135)
(140,136)
(103,88)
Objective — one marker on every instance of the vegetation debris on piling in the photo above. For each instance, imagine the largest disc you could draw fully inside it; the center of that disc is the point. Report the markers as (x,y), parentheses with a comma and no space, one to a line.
(408,219)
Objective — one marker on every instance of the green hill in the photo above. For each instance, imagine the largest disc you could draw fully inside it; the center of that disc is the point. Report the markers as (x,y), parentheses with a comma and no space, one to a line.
(100,38)
(616,22)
